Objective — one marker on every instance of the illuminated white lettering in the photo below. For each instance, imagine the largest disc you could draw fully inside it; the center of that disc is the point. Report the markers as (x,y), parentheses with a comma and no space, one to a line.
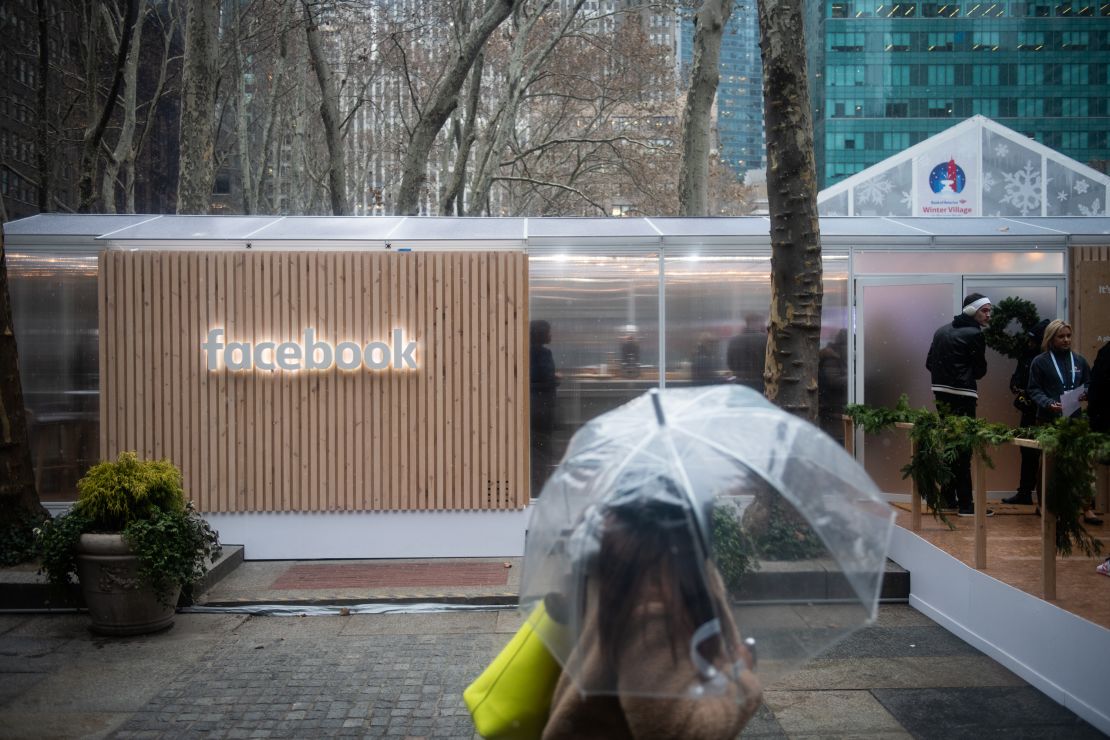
(211,346)
(309,354)
(289,356)
(244,361)
(383,350)
(348,356)
(259,361)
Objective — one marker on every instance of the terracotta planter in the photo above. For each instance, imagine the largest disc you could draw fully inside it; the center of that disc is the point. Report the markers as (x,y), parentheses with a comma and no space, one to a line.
(118,600)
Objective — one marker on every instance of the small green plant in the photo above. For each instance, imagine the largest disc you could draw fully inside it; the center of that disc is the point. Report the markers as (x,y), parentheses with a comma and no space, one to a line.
(788,535)
(144,501)
(733,550)
(17,535)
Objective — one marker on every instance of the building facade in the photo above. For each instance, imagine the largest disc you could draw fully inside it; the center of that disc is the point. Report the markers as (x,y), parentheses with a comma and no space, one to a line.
(889,75)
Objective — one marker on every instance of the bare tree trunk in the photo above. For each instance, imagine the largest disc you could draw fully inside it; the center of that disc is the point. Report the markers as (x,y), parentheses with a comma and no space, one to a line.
(90,147)
(43,146)
(444,99)
(197,136)
(17,480)
(693,179)
(242,124)
(329,114)
(127,131)
(266,159)
(452,200)
(796,288)
(169,33)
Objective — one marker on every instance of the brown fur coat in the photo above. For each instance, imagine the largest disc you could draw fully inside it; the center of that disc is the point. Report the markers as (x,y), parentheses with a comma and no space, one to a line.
(646,662)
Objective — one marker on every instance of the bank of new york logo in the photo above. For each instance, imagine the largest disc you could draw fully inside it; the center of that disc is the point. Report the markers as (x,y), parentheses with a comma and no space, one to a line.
(947,176)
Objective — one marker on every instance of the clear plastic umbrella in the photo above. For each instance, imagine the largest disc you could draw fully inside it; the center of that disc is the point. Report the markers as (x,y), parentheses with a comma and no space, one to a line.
(715,518)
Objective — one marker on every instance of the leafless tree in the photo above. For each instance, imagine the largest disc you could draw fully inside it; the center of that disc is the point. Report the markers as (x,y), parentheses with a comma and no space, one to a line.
(102,112)
(597,129)
(200,82)
(709,26)
(469,37)
(128,110)
(463,133)
(329,114)
(537,29)
(796,288)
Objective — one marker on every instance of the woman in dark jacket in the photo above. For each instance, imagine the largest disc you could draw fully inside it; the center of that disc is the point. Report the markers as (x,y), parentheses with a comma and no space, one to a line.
(1053,372)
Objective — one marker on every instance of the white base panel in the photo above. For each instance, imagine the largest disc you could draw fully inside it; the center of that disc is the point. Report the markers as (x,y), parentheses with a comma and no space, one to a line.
(1062,655)
(393,534)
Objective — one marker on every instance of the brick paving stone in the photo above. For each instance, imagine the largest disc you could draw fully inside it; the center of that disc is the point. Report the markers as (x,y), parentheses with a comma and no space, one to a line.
(298,678)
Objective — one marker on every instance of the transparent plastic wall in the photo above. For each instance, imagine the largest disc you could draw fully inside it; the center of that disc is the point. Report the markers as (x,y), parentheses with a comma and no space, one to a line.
(605,323)
(716,325)
(904,297)
(604,318)
(54,313)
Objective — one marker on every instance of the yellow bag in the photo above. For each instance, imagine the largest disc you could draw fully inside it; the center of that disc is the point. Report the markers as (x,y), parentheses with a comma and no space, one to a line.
(512,697)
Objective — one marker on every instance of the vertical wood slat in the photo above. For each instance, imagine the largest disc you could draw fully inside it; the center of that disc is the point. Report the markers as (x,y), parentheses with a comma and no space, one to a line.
(450,435)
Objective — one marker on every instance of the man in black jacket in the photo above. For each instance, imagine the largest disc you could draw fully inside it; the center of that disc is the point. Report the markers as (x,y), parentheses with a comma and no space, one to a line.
(957,359)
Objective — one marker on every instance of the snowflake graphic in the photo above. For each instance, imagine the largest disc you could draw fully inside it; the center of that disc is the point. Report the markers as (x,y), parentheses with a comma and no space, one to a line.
(1023,189)
(1081,186)
(1001,150)
(907,200)
(988,182)
(1062,196)
(873,191)
(1094,210)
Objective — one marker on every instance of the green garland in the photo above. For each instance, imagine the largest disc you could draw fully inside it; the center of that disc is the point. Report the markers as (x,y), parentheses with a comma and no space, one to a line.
(1005,311)
(1074,448)
(940,440)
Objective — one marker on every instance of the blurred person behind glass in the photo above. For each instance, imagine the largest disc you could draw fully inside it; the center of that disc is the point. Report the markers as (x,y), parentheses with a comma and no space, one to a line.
(543,382)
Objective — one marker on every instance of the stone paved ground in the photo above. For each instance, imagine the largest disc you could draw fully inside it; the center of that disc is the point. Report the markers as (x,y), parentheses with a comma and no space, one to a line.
(402,676)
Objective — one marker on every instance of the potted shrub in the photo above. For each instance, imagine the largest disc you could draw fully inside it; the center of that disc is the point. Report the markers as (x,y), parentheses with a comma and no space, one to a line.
(133,541)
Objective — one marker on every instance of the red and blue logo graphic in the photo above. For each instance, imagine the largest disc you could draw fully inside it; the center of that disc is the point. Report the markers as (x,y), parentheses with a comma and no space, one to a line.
(947,176)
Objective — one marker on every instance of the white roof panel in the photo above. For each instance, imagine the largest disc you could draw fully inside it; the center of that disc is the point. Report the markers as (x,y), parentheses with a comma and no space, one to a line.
(432,228)
(328,228)
(191,228)
(69,224)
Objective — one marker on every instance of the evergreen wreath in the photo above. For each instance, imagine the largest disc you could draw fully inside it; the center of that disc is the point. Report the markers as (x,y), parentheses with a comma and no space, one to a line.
(1007,310)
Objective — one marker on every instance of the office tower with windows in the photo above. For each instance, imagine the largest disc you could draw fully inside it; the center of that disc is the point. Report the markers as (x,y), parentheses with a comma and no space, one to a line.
(890,75)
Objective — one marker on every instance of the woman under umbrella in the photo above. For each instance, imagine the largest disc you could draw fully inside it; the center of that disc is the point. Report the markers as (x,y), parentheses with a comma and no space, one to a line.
(657,629)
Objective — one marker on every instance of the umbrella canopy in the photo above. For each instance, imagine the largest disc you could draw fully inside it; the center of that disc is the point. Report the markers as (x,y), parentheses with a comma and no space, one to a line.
(712,516)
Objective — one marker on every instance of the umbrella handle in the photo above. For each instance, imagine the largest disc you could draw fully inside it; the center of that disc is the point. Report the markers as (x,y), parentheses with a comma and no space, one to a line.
(749,643)
(657,402)
(706,631)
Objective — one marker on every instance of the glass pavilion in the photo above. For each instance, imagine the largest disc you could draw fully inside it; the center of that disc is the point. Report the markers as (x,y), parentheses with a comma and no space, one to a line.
(675,290)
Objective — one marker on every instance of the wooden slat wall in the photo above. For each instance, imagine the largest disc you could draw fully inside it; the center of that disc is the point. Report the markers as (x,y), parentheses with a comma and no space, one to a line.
(451,435)
(1090,315)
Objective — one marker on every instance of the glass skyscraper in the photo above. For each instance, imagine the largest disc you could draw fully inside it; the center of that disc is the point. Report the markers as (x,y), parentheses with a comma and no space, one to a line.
(889,75)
